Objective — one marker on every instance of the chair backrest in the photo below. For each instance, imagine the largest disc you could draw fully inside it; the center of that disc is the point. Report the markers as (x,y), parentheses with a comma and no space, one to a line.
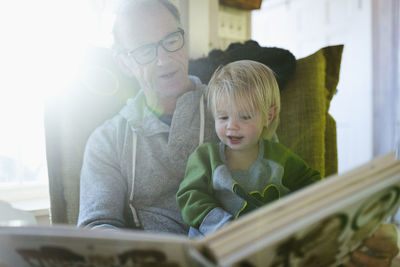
(101,90)
(97,94)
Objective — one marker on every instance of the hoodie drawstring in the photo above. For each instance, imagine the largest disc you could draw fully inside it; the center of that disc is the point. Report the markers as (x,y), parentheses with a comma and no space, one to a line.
(134,144)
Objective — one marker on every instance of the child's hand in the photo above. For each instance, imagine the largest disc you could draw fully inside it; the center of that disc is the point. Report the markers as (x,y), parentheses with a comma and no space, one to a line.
(382,249)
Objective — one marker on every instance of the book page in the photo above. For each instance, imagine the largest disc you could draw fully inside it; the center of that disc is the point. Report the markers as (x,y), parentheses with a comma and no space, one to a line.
(316,227)
(69,246)
(328,241)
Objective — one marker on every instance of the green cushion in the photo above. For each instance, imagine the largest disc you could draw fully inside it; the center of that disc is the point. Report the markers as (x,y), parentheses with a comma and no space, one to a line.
(305,125)
(331,162)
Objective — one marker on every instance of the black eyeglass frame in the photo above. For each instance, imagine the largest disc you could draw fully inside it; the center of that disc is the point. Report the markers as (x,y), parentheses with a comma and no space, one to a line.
(130,54)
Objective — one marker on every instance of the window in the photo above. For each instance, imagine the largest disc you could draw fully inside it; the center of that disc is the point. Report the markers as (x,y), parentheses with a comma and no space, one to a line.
(23,173)
(43,42)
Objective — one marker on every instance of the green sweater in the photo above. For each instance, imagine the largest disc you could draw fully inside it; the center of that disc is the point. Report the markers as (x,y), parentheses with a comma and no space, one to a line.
(212,192)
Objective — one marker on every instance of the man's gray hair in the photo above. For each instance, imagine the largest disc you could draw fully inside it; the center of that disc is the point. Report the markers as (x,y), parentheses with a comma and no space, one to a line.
(127,7)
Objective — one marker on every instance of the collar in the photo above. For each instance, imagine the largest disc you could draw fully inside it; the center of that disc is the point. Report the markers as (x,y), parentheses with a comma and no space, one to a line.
(142,120)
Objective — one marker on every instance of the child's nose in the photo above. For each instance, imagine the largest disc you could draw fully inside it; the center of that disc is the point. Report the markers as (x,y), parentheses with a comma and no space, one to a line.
(232,124)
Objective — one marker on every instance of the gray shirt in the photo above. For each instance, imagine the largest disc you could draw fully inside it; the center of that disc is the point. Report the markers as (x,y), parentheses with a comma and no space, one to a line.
(161,155)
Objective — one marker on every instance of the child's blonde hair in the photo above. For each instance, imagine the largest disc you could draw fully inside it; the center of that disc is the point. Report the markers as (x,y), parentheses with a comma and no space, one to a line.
(249,86)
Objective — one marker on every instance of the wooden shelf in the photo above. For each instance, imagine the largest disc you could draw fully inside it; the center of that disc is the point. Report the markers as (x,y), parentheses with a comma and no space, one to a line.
(242,4)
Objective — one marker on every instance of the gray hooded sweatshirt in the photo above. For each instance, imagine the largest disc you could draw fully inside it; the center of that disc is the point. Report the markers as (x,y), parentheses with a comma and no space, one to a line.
(160,161)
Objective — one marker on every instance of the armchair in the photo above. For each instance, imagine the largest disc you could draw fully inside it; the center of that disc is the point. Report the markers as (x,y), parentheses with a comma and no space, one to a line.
(101,90)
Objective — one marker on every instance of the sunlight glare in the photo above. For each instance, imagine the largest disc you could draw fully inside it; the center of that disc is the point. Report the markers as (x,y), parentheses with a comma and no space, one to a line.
(44,43)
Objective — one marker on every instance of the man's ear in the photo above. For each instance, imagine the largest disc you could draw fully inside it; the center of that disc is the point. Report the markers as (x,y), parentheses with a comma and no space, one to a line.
(271,114)
(123,65)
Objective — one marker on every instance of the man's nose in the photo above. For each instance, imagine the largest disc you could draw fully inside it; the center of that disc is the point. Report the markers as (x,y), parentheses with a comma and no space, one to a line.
(162,56)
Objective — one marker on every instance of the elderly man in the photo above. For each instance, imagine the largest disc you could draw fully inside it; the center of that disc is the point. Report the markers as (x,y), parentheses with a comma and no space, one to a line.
(135,161)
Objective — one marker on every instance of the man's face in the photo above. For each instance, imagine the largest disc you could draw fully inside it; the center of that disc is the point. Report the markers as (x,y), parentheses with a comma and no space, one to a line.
(166,77)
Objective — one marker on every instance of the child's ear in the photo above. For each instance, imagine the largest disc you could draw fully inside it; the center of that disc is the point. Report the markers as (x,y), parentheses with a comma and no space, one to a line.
(271,114)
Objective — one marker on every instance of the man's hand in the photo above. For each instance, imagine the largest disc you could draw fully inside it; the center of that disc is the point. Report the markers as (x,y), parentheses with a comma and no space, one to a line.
(382,246)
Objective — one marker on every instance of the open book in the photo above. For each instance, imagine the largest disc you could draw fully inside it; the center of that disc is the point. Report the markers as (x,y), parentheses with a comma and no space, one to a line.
(315,226)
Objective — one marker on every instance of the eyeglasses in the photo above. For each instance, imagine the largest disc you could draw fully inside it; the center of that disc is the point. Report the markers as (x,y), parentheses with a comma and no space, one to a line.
(147,53)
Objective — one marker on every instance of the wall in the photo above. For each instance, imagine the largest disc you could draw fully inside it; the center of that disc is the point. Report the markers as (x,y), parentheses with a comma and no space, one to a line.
(210,25)
(304,26)
(386,58)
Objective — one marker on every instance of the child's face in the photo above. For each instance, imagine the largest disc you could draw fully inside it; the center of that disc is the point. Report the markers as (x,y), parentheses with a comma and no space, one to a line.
(237,129)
